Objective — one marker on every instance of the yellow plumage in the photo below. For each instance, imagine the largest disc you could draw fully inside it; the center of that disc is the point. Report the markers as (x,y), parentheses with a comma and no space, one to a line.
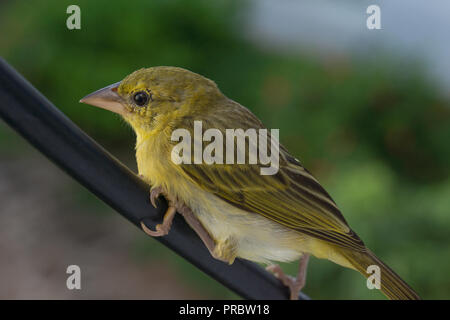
(260,218)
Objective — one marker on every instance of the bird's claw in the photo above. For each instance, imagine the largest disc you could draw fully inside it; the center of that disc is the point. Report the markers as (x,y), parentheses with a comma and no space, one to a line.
(154,194)
(285,279)
(295,285)
(161,230)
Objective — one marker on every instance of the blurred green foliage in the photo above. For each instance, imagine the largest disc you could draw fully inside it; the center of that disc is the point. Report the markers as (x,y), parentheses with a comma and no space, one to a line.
(375,132)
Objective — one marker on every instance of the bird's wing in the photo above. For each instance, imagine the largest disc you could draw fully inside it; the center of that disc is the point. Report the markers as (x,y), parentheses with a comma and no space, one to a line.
(292,197)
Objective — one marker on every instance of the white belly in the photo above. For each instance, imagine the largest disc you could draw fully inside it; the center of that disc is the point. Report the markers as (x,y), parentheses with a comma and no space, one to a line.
(258,239)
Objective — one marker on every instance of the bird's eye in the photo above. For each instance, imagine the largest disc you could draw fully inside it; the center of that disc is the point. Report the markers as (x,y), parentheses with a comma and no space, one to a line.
(141,98)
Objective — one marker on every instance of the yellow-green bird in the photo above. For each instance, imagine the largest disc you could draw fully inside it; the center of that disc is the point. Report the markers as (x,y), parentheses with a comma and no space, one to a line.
(236,211)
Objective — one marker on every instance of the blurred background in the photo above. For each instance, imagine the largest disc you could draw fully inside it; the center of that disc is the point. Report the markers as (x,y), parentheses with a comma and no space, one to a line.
(367,111)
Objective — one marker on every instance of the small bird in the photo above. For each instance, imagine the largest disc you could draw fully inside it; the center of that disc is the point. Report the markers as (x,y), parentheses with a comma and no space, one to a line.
(236,211)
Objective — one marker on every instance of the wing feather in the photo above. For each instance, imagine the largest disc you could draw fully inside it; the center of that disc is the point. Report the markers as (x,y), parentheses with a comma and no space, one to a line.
(292,197)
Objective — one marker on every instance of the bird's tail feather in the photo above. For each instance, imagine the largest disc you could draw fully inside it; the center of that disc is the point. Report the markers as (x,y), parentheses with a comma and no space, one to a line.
(392,285)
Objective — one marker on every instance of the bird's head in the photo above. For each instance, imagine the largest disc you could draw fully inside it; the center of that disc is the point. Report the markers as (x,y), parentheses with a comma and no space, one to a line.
(152,98)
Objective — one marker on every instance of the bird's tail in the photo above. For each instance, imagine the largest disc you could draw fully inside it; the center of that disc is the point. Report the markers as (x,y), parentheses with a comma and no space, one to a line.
(392,285)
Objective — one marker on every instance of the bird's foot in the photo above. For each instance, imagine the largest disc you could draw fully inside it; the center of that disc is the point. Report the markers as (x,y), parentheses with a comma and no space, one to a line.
(164,228)
(295,285)
(223,250)
(287,280)
(155,192)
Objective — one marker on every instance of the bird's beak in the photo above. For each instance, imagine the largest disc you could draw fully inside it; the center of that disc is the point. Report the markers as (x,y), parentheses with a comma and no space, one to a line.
(106,98)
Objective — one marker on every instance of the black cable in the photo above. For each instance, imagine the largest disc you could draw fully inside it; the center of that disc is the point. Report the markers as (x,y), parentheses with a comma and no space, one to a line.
(28,112)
